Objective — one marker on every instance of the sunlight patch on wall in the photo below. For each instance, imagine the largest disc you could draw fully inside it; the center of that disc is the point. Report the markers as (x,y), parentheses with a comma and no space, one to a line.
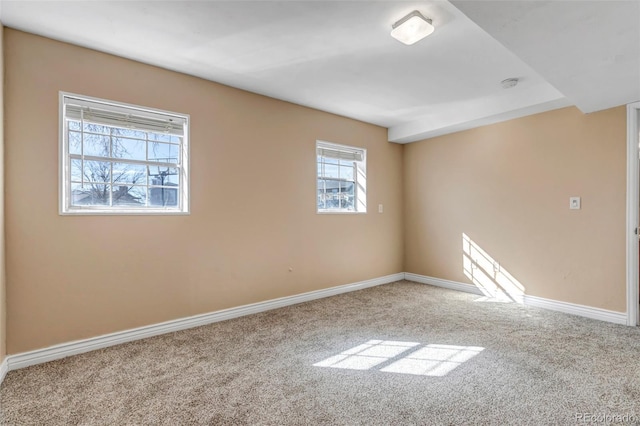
(391,357)
(495,282)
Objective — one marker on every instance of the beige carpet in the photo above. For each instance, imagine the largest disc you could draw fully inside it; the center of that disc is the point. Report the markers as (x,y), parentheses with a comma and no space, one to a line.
(402,353)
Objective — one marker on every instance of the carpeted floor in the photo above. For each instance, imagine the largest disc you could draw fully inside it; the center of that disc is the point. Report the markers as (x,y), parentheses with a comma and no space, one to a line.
(397,354)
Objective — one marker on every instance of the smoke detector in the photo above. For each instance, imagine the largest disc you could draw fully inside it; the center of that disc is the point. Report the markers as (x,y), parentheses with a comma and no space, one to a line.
(509,83)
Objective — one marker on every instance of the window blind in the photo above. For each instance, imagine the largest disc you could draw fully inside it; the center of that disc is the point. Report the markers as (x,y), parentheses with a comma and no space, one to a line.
(340,154)
(96,113)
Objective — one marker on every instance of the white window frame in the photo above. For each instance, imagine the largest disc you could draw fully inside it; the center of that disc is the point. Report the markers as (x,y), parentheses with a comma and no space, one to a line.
(360,177)
(64,190)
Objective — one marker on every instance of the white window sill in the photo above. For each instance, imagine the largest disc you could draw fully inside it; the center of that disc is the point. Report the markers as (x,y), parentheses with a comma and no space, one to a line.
(338,212)
(98,212)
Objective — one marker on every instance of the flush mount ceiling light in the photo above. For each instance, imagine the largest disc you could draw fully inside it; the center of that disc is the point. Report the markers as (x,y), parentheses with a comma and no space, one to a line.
(412,28)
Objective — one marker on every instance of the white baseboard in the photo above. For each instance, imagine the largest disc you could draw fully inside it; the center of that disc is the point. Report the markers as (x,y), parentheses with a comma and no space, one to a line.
(438,282)
(539,302)
(38,356)
(575,309)
(4,369)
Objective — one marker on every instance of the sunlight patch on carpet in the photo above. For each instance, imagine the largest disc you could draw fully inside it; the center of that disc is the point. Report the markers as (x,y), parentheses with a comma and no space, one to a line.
(391,356)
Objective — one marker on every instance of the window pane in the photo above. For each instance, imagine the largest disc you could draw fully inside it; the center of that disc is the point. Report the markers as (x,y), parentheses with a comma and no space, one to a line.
(346,163)
(164,152)
(163,196)
(173,177)
(130,149)
(97,145)
(89,194)
(320,194)
(76,170)
(320,201)
(95,128)
(97,171)
(347,195)
(129,173)
(163,137)
(73,125)
(329,193)
(127,195)
(331,170)
(330,160)
(75,143)
(346,173)
(163,176)
(128,133)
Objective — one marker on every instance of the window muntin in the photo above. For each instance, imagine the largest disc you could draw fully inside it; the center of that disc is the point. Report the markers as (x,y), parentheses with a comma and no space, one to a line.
(122,159)
(341,178)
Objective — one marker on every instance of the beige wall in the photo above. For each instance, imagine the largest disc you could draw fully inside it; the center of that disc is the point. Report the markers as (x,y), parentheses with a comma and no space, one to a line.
(507,186)
(252,204)
(3,299)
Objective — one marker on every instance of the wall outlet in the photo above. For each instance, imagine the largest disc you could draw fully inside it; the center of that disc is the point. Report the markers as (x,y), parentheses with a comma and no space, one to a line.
(574,203)
(380,208)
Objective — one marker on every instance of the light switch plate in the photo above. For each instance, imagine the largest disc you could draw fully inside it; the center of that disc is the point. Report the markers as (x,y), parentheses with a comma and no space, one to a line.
(574,203)
(380,208)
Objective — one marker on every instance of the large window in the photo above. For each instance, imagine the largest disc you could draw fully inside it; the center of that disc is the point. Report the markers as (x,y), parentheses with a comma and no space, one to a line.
(121,159)
(342,175)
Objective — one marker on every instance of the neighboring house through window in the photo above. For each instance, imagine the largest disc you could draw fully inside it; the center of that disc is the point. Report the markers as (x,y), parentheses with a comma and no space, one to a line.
(341,177)
(121,159)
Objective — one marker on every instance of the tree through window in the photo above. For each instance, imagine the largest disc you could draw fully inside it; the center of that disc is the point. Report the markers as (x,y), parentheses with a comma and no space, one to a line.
(122,159)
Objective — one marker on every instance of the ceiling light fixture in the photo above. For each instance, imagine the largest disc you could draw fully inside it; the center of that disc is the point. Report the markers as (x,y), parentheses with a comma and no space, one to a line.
(412,28)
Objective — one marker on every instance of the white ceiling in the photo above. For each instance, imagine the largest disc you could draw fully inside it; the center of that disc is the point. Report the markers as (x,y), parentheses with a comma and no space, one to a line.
(337,56)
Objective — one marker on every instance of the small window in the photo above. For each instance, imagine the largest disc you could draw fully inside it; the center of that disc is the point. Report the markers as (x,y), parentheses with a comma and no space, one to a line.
(342,178)
(121,159)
